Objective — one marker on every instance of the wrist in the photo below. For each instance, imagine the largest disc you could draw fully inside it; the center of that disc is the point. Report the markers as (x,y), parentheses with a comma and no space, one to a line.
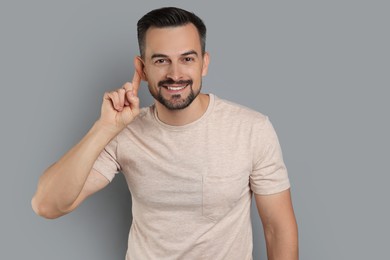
(107,131)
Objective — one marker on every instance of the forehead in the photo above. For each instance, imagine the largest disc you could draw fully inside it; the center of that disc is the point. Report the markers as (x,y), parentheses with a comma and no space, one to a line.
(172,40)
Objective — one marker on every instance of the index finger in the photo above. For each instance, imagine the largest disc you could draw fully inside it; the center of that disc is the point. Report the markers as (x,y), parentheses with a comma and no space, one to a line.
(136,82)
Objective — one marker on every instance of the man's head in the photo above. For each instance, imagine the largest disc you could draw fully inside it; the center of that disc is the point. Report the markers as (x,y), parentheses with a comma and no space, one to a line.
(169,17)
(173,57)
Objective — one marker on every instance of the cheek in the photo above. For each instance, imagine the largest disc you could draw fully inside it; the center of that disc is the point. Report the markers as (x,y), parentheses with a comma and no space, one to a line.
(197,74)
(155,74)
(191,71)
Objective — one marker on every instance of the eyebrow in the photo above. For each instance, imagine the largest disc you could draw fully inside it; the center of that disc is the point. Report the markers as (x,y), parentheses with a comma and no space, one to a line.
(187,53)
(192,52)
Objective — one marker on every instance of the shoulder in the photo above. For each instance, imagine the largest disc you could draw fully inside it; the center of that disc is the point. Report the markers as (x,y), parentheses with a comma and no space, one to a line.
(239,113)
(143,121)
(145,115)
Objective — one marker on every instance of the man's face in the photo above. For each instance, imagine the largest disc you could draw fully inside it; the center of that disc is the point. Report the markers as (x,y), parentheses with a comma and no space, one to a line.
(174,65)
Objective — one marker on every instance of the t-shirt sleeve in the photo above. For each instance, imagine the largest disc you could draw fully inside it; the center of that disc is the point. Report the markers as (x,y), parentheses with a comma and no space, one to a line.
(107,164)
(269,173)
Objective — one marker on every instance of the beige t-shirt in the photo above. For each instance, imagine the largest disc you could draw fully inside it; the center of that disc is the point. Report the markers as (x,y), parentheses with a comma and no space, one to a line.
(192,185)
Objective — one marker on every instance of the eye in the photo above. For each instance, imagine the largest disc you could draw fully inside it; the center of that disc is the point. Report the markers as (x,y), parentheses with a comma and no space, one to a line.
(188,59)
(160,61)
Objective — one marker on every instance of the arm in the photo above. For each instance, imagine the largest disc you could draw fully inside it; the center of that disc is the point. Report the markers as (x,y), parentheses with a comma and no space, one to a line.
(279,224)
(69,181)
(66,183)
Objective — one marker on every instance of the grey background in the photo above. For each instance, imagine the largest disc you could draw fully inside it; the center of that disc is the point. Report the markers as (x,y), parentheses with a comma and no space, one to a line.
(319,69)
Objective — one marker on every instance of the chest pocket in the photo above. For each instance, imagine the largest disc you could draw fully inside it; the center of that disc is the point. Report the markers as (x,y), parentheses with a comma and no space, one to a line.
(221,193)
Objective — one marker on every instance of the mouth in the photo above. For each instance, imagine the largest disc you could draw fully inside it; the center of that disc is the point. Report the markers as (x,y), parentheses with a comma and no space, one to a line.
(175,88)
(172,87)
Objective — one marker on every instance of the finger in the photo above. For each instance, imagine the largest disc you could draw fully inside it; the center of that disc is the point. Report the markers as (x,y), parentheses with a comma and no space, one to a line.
(129,92)
(107,99)
(136,82)
(134,105)
(114,97)
(130,98)
(126,88)
(121,95)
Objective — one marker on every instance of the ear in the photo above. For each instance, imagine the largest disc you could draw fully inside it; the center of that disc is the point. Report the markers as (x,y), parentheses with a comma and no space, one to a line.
(140,67)
(206,60)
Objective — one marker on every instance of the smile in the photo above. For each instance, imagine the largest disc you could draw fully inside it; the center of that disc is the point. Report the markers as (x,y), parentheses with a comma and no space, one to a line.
(175,88)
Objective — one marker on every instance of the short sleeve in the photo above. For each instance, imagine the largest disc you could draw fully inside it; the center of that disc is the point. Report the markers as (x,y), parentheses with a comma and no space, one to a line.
(269,173)
(107,164)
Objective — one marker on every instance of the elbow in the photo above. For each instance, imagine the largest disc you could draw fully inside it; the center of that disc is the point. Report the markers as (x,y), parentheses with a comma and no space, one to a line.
(43,210)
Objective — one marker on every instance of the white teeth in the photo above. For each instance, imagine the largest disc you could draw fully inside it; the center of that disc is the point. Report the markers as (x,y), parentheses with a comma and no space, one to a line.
(176,88)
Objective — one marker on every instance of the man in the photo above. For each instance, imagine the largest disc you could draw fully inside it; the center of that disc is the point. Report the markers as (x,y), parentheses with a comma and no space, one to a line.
(191,161)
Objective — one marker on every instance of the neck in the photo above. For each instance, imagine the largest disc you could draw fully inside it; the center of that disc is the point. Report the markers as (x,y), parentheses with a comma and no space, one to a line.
(183,116)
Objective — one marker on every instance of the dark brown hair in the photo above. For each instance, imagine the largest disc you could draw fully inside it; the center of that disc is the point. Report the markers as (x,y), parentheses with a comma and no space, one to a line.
(169,17)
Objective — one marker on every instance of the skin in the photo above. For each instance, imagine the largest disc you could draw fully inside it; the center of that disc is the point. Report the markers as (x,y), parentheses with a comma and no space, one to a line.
(175,54)
(279,225)
(69,181)
(171,54)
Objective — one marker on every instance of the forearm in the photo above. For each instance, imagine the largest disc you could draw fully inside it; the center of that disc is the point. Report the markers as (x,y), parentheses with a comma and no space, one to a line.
(282,243)
(61,183)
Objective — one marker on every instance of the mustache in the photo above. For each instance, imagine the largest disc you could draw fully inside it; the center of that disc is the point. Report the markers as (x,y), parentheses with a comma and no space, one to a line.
(171,82)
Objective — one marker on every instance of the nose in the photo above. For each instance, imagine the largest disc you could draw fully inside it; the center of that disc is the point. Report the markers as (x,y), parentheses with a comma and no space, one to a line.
(174,72)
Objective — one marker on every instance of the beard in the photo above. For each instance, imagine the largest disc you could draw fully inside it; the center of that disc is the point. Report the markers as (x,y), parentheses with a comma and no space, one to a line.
(176,101)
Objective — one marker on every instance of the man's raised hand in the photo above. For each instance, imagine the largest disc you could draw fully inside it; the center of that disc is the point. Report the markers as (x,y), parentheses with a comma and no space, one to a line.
(121,106)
